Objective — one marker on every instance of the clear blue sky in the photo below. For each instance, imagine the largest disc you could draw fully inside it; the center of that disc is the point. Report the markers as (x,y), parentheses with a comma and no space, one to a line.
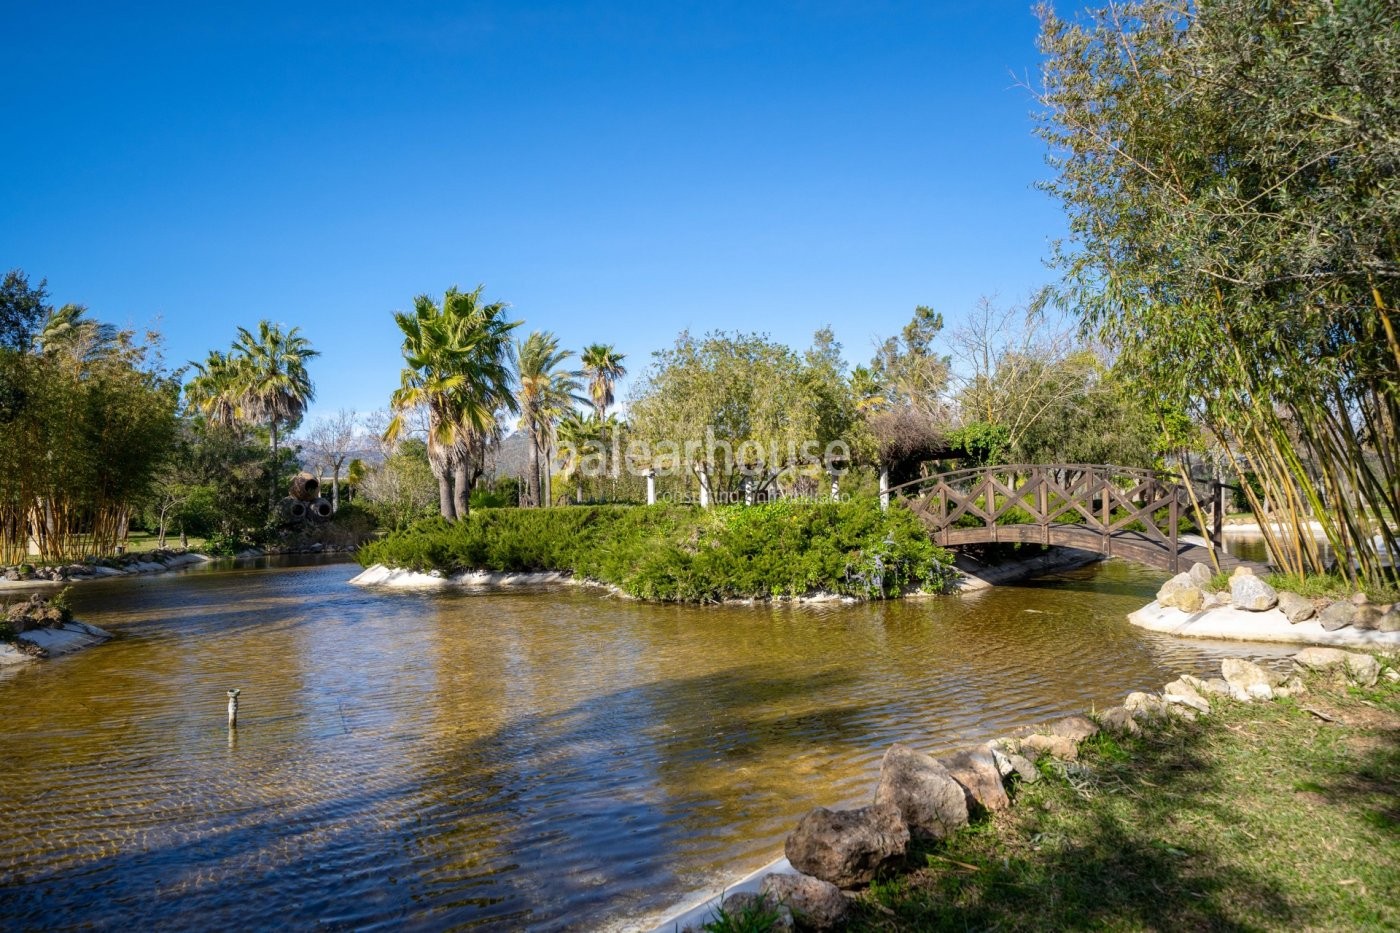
(618,172)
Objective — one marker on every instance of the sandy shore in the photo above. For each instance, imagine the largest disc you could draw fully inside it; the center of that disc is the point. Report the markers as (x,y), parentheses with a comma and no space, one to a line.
(1271,625)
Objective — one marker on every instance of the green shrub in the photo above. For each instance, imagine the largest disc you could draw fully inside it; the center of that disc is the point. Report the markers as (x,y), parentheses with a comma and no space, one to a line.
(681,554)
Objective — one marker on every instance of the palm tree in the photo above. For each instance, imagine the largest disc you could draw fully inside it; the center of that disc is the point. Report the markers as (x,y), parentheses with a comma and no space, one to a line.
(213,391)
(577,435)
(458,368)
(603,366)
(273,387)
(545,392)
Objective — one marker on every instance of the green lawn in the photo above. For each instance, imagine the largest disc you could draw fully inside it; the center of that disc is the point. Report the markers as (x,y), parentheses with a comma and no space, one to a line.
(1259,817)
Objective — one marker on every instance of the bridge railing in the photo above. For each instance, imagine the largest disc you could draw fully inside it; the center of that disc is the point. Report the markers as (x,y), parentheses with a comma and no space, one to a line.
(1103,499)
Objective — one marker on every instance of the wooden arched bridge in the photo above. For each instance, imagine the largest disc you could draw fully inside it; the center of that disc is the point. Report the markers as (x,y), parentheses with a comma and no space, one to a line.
(1116,511)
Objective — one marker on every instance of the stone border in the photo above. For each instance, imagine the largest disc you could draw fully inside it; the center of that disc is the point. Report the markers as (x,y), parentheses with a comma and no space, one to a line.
(133,564)
(1252,610)
(832,852)
(73,636)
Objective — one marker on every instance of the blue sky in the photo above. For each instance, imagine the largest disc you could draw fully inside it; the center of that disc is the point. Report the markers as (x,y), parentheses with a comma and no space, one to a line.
(616,171)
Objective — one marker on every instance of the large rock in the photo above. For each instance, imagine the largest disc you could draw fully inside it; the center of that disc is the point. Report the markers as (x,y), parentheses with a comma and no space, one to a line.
(848,847)
(977,771)
(1367,618)
(1119,721)
(1390,622)
(1184,694)
(1362,668)
(1248,678)
(1296,608)
(738,904)
(815,904)
(922,791)
(1074,728)
(1249,592)
(1181,592)
(1337,615)
(1201,575)
(1056,746)
(1145,706)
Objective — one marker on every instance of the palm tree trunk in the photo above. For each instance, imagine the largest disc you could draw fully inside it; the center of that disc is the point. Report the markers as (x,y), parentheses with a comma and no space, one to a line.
(272,471)
(445,505)
(532,481)
(463,483)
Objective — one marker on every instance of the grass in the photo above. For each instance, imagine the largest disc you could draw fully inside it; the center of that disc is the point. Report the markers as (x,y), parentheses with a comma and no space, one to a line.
(1332,586)
(672,553)
(139,541)
(1260,816)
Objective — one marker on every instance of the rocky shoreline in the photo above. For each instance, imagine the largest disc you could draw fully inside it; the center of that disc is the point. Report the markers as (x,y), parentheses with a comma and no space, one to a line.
(1252,610)
(27,576)
(975,578)
(831,854)
(40,628)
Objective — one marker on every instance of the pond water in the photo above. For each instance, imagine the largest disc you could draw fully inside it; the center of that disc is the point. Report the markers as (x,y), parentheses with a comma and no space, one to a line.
(549,760)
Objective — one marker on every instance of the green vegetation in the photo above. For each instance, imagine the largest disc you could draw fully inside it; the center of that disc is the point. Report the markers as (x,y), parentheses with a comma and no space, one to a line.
(457,368)
(687,554)
(1228,171)
(87,417)
(1260,816)
(1332,586)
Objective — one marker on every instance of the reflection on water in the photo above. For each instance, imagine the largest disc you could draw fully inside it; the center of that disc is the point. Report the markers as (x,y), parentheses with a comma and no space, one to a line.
(547,760)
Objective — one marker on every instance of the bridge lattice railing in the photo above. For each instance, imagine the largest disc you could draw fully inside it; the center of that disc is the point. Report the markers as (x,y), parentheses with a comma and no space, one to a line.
(1108,500)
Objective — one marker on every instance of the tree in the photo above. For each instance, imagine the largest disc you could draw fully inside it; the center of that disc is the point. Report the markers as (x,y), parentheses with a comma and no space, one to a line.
(22,309)
(602,364)
(545,392)
(458,360)
(1228,171)
(402,489)
(272,383)
(739,406)
(330,442)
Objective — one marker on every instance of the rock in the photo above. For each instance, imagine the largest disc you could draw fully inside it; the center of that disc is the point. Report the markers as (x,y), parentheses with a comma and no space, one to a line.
(1337,615)
(1074,728)
(1003,761)
(1251,593)
(1362,668)
(1181,712)
(1367,618)
(1390,622)
(815,904)
(1359,599)
(1025,768)
(920,790)
(1248,678)
(1145,706)
(1120,721)
(740,903)
(1295,608)
(1242,571)
(1181,592)
(1183,694)
(1216,600)
(1056,746)
(1215,686)
(847,847)
(1201,575)
(976,770)
(1392,675)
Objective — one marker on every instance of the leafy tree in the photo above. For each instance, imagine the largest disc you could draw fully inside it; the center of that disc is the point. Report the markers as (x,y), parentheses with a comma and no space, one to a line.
(602,364)
(458,358)
(401,490)
(739,405)
(1228,168)
(22,309)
